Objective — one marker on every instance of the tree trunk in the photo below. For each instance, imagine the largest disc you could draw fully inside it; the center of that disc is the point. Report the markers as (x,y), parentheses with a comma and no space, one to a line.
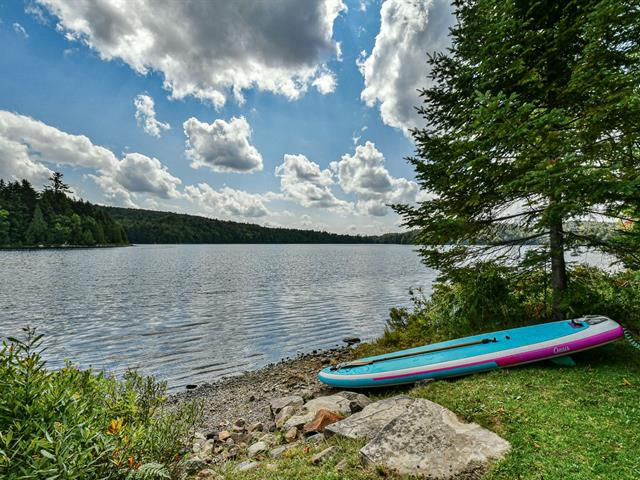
(558,268)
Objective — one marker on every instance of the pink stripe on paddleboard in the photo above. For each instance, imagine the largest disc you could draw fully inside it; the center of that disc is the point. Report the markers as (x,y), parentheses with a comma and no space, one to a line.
(533,355)
(561,349)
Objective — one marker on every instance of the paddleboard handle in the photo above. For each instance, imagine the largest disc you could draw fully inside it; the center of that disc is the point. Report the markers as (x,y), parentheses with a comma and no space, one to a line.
(360,363)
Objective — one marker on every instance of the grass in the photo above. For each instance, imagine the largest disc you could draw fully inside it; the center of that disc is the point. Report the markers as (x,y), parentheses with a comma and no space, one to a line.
(579,422)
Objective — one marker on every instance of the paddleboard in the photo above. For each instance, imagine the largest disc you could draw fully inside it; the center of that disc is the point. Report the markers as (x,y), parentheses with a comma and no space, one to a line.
(474,354)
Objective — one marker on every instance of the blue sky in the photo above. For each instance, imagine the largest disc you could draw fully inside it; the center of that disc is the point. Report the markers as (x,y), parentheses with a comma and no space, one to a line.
(280,113)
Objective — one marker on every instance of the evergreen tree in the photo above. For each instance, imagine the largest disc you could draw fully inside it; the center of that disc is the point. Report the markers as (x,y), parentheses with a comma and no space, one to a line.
(37,231)
(532,119)
(57,185)
(4,226)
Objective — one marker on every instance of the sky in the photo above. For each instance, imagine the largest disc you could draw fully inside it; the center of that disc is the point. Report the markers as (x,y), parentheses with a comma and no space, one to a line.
(290,113)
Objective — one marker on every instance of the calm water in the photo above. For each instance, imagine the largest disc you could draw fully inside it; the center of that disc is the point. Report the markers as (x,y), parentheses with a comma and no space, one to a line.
(192,313)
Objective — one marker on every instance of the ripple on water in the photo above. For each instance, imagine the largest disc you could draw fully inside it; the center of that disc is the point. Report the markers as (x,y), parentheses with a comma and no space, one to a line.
(194,313)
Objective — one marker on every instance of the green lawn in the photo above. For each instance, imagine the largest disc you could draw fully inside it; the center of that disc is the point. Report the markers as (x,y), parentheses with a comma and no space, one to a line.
(565,423)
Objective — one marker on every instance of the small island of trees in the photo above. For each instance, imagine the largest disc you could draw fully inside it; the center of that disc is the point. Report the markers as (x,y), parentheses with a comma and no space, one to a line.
(51,218)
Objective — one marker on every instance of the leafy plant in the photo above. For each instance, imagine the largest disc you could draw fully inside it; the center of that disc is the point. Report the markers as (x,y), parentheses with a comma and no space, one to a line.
(76,424)
(490,297)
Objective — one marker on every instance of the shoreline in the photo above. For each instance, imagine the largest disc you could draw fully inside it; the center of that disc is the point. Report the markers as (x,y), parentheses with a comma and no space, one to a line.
(247,395)
(65,247)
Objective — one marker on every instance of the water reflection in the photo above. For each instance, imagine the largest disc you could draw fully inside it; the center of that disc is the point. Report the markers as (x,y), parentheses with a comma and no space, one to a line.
(192,313)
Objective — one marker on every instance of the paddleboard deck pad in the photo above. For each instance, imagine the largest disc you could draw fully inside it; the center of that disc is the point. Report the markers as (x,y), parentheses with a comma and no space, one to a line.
(475,354)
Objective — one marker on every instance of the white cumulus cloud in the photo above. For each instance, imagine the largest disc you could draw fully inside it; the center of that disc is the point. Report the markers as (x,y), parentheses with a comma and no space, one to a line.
(397,66)
(325,83)
(28,148)
(302,181)
(146,116)
(365,175)
(226,202)
(222,146)
(139,173)
(209,49)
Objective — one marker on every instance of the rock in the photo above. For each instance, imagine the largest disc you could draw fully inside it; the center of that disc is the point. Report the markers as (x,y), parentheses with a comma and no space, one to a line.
(351,340)
(334,403)
(191,386)
(193,465)
(278,404)
(323,455)
(229,441)
(212,435)
(208,474)
(271,466)
(269,439)
(240,422)
(283,415)
(368,422)
(199,437)
(257,449)
(357,400)
(196,448)
(306,394)
(246,466)
(207,447)
(252,398)
(291,435)
(278,451)
(223,435)
(256,427)
(342,465)
(231,453)
(317,438)
(427,440)
(241,437)
(321,420)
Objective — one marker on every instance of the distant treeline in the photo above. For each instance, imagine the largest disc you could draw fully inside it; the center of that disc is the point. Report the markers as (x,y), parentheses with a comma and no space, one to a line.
(150,226)
(51,218)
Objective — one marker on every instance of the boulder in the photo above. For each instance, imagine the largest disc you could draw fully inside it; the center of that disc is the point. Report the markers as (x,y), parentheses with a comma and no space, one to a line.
(334,403)
(427,440)
(223,435)
(278,404)
(368,422)
(321,420)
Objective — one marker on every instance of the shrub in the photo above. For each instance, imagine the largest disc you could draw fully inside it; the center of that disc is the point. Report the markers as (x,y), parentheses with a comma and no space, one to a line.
(75,424)
(490,297)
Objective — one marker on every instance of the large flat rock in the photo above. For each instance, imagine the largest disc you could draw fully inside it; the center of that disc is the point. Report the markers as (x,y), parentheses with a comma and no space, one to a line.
(370,420)
(427,440)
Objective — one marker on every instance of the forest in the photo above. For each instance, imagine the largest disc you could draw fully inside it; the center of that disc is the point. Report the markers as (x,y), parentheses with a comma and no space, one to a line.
(52,218)
(149,226)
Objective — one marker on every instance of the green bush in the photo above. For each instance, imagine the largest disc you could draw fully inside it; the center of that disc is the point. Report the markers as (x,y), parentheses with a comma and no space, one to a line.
(75,424)
(489,297)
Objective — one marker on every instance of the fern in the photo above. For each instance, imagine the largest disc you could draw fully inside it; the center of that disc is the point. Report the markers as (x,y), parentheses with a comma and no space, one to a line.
(150,471)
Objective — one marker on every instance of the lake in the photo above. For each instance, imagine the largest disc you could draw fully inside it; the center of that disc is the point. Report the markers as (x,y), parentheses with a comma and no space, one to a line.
(194,313)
